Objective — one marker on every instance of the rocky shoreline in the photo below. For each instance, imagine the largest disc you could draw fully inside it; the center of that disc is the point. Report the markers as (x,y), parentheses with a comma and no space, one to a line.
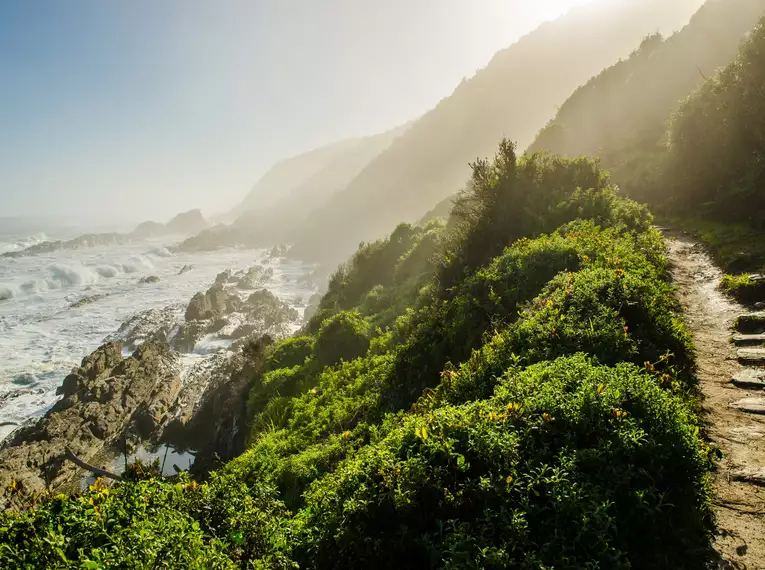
(175,375)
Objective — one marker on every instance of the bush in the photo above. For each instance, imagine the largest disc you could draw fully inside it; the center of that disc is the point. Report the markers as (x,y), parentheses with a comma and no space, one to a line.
(344,336)
(569,465)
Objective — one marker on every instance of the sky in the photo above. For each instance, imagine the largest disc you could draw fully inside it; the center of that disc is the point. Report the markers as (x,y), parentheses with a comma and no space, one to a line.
(140,109)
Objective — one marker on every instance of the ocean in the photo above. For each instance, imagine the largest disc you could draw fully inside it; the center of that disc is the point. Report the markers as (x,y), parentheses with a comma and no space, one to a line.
(42,337)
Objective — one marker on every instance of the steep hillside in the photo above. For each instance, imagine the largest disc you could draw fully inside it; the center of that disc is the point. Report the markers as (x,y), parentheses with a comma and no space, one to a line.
(716,161)
(513,392)
(294,204)
(621,115)
(279,217)
(514,96)
(290,173)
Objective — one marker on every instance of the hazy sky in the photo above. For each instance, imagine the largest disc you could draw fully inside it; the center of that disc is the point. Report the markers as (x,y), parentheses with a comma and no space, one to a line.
(143,108)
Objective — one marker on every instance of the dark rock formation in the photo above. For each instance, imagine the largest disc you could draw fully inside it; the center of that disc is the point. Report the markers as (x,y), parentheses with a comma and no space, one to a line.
(86,301)
(208,305)
(254,277)
(152,324)
(149,280)
(105,398)
(185,269)
(215,424)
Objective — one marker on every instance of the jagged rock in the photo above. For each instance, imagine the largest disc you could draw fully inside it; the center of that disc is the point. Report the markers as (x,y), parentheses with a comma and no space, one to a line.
(185,269)
(208,305)
(149,280)
(750,405)
(214,421)
(86,301)
(106,397)
(223,277)
(242,331)
(254,277)
(152,324)
(189,334)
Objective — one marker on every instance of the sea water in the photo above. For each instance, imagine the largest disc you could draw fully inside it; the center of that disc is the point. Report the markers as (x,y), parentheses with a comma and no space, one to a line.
(42,337)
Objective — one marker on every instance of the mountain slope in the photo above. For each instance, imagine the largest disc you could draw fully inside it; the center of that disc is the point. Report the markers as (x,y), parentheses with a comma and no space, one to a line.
(290,173)
(514,95)
(717,142)
(293,205)
(621,114)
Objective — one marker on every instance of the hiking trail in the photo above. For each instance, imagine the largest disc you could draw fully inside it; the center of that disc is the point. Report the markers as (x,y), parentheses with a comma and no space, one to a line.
(730,347)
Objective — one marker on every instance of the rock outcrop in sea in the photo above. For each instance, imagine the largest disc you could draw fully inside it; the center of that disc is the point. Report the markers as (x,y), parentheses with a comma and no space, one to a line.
(144,385)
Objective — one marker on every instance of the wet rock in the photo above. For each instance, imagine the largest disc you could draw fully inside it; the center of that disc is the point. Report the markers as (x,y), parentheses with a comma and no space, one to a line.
(149,280)
(185,269)
(242,331)
(86,301)
(208,305)
(223,277)
(105,398)
(188,335)
(214,421)
(153,324)
(254,277)
(759,305)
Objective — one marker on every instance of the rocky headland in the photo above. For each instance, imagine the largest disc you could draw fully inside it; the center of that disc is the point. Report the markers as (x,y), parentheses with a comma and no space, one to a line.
(174,375)
(186,224)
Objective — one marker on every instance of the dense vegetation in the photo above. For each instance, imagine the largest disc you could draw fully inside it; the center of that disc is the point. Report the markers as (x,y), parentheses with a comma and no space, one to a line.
(621,115)
(679,135)
(515,389)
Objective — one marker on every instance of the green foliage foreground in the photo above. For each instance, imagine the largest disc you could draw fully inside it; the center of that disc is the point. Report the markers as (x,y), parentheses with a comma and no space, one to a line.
(515,391)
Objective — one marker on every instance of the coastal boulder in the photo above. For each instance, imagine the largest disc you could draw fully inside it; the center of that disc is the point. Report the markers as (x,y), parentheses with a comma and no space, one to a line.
(208,305)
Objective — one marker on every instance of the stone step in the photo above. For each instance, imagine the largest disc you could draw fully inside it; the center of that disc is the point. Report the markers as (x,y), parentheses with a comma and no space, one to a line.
(750,379)
(751,355)
(750,405)
(755,476)
(748,339)
(753,323)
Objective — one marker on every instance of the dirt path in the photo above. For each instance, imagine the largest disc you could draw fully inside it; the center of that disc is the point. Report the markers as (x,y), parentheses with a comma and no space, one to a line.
(739,486)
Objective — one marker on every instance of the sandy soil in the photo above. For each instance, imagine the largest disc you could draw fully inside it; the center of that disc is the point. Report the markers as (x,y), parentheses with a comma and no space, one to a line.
(739,504)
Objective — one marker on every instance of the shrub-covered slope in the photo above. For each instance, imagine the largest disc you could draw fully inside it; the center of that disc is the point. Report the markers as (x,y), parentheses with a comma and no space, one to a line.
(514,390)
(717,141)
(516,94)
(621,115)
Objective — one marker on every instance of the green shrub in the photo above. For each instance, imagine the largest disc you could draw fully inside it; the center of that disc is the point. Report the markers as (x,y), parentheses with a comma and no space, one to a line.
(569,465)
(344,336)
(293,351)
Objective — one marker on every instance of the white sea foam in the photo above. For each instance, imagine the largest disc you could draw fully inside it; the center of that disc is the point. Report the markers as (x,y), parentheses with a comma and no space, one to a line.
(42,338)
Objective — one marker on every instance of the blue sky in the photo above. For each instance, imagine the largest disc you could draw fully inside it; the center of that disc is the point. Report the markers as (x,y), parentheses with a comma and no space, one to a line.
(143,108)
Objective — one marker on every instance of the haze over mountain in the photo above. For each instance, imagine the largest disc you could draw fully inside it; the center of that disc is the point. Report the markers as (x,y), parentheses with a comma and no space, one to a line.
(621,115)
(513,96)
